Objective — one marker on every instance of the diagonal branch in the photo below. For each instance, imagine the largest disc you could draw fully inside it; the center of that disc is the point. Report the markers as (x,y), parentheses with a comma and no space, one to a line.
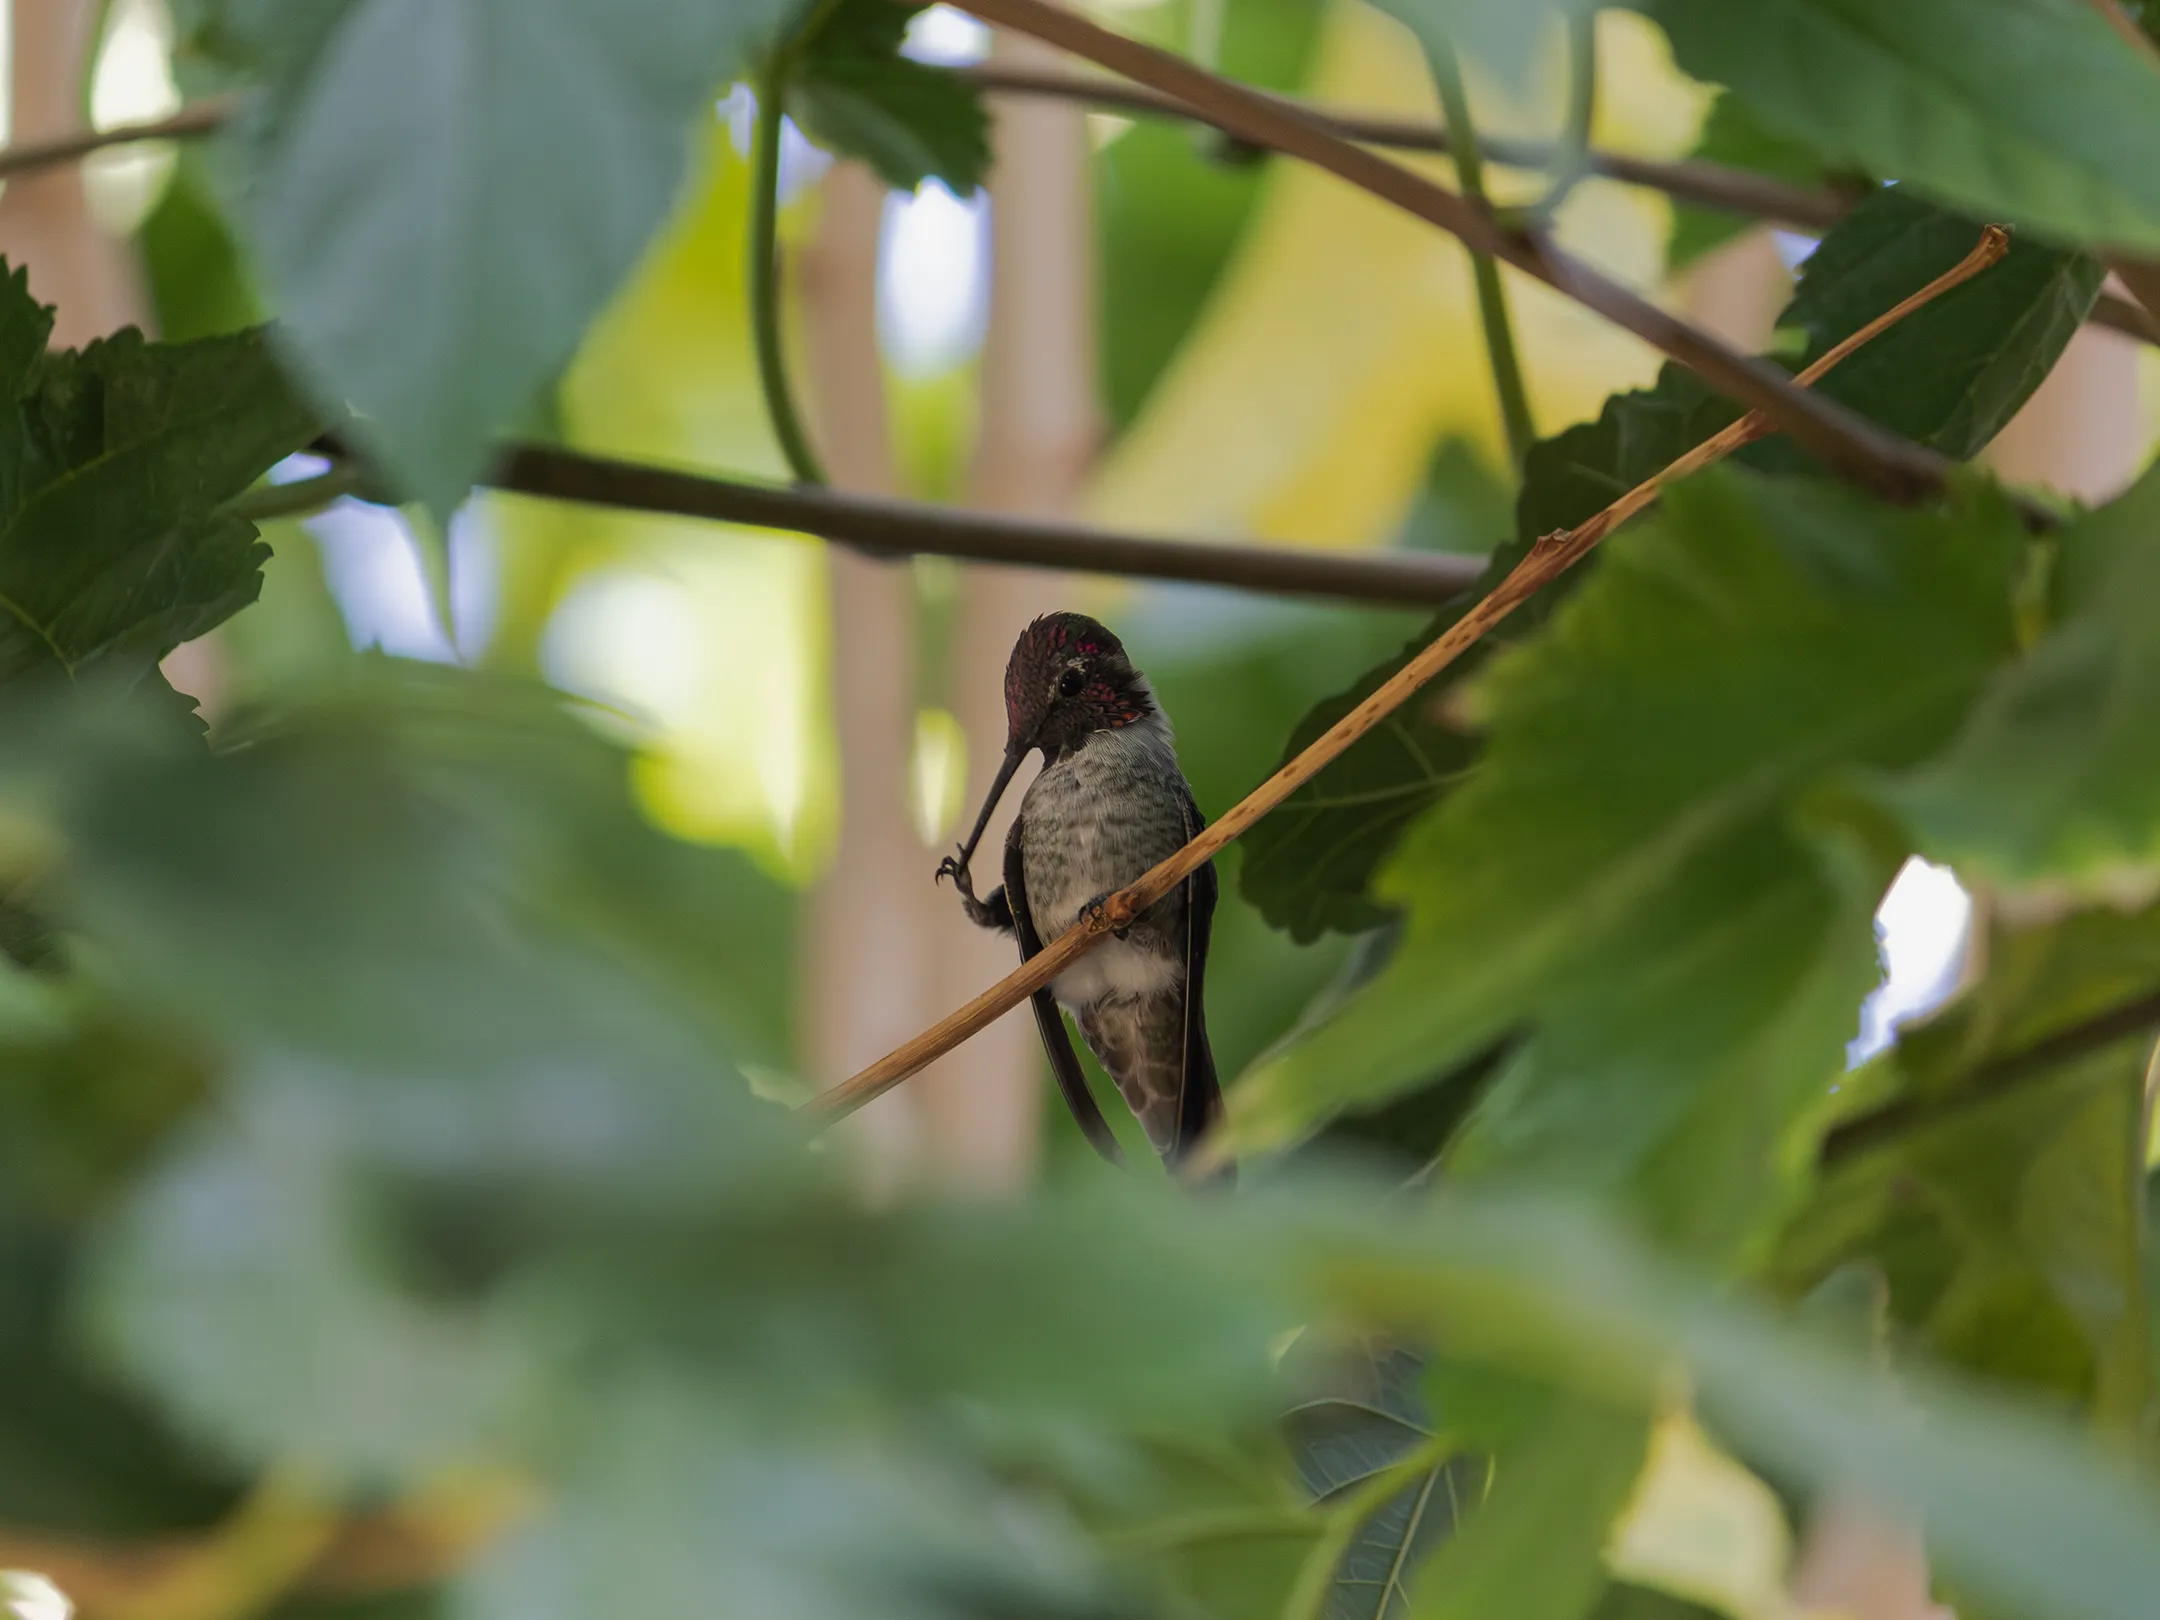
(1842,439)
(1552,556)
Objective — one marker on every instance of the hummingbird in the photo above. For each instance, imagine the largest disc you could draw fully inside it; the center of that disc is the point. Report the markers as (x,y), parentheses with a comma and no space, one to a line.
(1109,803)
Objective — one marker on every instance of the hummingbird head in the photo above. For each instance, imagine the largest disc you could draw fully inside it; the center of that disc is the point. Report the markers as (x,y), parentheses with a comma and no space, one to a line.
(1068,678)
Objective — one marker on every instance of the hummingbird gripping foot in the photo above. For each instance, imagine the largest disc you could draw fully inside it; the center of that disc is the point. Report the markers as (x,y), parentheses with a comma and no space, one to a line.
(1095,915)
(993,913)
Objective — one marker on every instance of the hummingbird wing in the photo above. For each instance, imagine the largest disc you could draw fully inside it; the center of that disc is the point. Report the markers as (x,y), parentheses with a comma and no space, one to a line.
(1200,1092)
(1057,1043)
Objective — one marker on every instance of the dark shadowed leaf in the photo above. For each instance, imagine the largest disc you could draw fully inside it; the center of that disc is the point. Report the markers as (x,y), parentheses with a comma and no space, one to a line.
(1374,1418)
(854,92)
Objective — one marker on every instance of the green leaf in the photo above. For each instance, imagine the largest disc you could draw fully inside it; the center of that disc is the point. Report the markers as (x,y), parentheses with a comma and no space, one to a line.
(1733,136)
(1504,39)
(1623,874)
(442,194)
(2019,1506)
(1464,505)
(1309,866)
(2007,1220)
(2026,110)
(115,464)
(673,1509)
(1535,1549)
(243,1286)
(1363,1430)
(1950,375)
(2054,781)
(853,91)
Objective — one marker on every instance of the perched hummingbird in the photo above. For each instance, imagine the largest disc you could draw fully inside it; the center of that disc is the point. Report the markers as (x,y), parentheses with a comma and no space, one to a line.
(1110,803)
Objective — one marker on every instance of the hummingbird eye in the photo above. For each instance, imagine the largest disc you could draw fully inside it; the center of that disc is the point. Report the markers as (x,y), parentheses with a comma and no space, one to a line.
(1070,682)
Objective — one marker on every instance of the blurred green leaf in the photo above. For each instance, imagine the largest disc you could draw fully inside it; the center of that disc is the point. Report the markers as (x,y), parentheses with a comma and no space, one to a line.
(197,282)
(2008,1222)
(2054,782)
(852,91)
(1464,506)
(672,1509)
(2030,110)
(1623,874)
(243,1286)
(115,463)
(1950,375)
(1733,136)
(442,194)
(1505,39)
(1535,1548)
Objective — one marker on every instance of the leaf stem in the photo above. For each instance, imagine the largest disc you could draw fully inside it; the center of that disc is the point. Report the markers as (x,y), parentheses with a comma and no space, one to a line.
(765,269)
(1552,556)
(1499,330)
(1571,160)
(303,496)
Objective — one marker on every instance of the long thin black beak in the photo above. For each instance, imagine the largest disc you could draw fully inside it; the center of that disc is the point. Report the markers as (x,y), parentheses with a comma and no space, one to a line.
(1015,752)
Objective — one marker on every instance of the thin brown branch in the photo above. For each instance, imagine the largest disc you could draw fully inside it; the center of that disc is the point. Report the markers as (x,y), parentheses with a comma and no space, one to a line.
(1709,185)
(895,528)
(1994,1081)
(1552,556)
(1840,438)
(200,119)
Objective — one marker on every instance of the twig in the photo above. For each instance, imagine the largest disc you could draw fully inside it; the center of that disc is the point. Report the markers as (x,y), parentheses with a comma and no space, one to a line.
(895,528)
(199,119)
(1994,1081)
(1493,320)
(1709,185)
(1552,556)
(1841,438)
(2122,315)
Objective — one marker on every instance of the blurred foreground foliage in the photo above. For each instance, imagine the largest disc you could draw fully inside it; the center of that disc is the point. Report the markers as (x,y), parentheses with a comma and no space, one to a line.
(388,1226)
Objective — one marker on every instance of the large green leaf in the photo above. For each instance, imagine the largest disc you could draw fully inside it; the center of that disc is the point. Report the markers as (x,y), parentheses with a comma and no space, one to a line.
(1950,376)
(853,91)
(442,194)
(1623,874)
(2030,110)
(115,464)
(2055,781)
(2007,1220)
